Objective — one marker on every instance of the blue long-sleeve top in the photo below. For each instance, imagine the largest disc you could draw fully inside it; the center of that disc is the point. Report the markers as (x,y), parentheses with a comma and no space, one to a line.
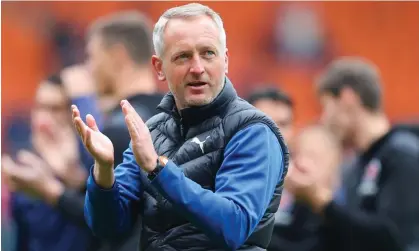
(244,185)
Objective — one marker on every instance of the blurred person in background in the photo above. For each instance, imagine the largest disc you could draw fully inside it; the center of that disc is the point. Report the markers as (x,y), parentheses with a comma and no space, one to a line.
(221,186)
(278,106)
(381,210)
(298,228)
(39,174)
(119,48)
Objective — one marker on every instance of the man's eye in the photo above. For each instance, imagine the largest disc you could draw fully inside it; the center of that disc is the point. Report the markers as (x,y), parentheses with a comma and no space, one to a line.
(182,56)
(209,53)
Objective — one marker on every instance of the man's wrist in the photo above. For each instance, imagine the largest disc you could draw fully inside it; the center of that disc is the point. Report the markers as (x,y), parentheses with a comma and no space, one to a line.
(159,165)
(154,163)
(103,175)
(150,167)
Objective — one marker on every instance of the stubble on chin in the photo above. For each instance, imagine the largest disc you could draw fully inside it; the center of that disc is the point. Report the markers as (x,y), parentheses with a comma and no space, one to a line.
(200,102)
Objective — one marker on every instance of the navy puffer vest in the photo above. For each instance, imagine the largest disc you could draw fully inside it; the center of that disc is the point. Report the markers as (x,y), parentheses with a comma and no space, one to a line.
(172,134)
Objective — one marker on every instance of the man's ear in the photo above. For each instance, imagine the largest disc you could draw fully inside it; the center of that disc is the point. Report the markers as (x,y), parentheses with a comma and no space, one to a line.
(226,61)
(158,67)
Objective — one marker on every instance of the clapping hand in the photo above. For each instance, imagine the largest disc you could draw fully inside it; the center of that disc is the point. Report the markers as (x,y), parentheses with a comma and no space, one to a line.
(58,147)
(31,176)
(98,145)
(142,144)
(101,148)
(302,182)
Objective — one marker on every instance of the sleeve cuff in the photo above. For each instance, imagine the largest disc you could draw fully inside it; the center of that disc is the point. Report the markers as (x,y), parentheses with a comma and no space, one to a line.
(96,192)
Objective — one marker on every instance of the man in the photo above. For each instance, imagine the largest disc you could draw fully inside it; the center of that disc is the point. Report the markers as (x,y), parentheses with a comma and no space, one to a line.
(201,171)
(43,170)
(382,209)
(278,106)
(299,228)
(119,49)
(296,226)
(63,191)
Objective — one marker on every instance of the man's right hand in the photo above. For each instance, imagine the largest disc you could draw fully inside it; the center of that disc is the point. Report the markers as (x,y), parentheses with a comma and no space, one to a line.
(98,145)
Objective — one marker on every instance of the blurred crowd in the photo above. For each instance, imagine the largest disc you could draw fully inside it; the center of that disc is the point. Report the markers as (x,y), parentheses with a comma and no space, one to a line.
(45,165)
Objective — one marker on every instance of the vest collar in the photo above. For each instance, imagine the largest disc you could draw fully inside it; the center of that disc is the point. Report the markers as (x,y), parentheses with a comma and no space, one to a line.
(197,114)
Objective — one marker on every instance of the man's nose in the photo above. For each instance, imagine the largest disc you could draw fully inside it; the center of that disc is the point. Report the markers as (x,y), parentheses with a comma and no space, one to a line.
(197,67)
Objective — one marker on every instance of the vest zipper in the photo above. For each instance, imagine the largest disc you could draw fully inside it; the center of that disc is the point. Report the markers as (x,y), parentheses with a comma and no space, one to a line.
(182,128)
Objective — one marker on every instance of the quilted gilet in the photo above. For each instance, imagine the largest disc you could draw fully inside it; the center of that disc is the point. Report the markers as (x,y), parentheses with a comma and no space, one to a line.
(173,136)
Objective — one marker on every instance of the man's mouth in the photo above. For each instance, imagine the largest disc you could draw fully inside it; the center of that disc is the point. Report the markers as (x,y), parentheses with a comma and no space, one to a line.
(196,84)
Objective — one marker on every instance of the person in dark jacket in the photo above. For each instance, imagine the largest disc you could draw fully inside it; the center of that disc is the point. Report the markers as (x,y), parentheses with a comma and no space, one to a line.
(119,48)
(381,210)
(202,171)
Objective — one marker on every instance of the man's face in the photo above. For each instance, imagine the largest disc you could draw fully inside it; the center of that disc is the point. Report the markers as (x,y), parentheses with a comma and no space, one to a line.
(336,116)
(100,63)
(280,113)
(194,62)
(51,107)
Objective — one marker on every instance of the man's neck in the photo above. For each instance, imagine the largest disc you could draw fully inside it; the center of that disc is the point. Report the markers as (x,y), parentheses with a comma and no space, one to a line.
(371,127)
(134,81)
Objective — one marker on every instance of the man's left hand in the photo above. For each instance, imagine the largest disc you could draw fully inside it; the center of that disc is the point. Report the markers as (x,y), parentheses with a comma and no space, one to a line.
(302,183)
(142,144)
(32,177)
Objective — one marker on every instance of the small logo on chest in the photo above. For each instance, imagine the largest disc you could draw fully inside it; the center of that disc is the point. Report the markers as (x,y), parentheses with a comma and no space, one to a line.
(370,178)
(200,143)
